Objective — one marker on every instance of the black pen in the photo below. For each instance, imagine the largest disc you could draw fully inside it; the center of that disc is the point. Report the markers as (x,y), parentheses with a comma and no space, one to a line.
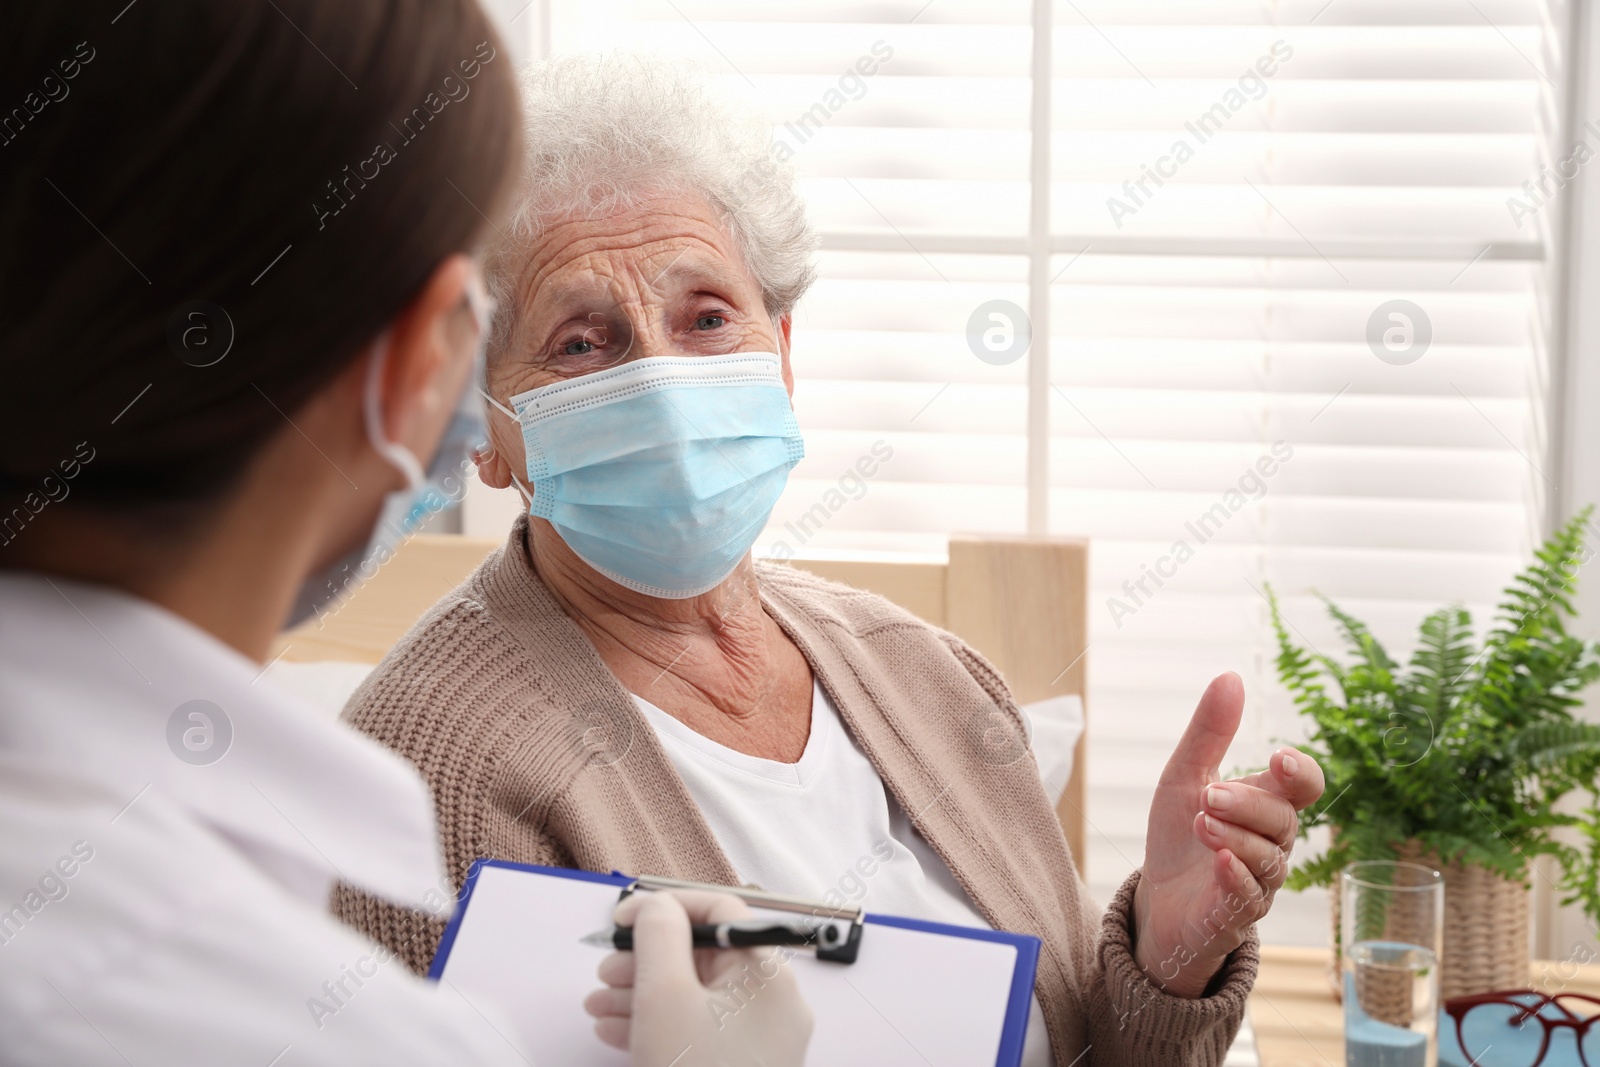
(750,933)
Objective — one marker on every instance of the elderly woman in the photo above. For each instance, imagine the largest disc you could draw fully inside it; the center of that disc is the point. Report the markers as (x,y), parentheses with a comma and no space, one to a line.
(622,686)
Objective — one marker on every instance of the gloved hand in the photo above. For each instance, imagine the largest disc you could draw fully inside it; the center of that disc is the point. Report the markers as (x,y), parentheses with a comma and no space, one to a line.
(674,1006)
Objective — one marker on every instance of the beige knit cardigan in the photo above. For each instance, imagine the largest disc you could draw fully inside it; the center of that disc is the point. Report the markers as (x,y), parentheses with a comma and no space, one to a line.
(536,754)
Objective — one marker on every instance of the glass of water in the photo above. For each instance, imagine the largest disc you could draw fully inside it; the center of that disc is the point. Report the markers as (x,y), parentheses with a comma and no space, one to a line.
(1391,918)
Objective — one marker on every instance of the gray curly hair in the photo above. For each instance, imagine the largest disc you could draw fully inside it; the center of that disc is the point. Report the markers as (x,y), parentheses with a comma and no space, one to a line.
(604,132)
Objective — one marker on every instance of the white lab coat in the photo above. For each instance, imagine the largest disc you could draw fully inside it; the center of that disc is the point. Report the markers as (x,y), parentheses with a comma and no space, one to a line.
(163,887)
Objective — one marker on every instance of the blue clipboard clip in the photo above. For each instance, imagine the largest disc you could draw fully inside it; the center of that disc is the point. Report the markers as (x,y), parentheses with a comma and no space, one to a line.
(845,949)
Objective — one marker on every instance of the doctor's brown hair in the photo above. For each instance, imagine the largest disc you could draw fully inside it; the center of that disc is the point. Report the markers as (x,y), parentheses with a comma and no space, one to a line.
(208,208)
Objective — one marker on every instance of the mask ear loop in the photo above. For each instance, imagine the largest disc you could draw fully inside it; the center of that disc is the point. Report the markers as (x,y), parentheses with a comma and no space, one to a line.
(399,456)
(512,415)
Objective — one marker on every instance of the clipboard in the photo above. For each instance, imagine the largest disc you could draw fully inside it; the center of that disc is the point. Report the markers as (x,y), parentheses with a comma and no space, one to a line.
(918,993)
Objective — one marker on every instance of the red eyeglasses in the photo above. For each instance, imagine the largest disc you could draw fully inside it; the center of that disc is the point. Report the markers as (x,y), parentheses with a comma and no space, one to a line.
(1496,1029)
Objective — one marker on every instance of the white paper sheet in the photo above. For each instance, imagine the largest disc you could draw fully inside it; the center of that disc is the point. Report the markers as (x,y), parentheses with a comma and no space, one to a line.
(913,998)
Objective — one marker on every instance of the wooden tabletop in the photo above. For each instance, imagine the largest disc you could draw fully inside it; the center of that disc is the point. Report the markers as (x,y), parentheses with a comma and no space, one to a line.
(1298,1023)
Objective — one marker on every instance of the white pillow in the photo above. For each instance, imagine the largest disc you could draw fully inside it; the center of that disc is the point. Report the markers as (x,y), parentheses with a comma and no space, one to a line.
(326,685)
(1055,726)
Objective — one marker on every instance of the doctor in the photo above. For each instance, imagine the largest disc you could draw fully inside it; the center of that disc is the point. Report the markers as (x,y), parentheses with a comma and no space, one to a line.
(240,309)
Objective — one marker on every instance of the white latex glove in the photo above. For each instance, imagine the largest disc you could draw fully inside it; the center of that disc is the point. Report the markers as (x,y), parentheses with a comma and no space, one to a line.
(674,1006)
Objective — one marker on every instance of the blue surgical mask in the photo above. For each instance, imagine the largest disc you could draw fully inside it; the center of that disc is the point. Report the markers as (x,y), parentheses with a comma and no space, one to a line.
(660,473)
(427,491)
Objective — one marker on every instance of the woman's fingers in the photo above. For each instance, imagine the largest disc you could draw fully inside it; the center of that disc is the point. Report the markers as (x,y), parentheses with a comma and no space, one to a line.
(1253,809)
(1263,860)
(1292,775)
(1298,777)
(1234,876)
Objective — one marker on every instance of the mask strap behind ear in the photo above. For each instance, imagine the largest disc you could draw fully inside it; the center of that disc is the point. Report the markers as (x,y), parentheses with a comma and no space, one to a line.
(512,415)
(507,412)
(398,455)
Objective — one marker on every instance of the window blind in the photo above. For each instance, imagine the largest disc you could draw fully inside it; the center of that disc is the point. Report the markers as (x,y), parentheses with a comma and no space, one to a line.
(1233,197)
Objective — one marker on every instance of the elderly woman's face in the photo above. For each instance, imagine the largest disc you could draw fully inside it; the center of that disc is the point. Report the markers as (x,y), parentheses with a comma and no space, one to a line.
(662,279)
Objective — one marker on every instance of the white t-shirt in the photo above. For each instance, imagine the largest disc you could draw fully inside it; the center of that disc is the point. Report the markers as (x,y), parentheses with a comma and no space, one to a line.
(823,828)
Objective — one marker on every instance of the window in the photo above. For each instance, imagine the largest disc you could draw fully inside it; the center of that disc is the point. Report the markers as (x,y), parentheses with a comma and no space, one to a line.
(1291,308)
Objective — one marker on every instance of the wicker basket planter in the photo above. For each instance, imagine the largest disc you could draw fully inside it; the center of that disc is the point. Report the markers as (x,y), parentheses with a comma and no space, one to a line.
(1486,923)
(1466,748)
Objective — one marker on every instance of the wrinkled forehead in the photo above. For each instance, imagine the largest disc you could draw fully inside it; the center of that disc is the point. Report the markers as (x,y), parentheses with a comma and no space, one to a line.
(641,274)
(649,249)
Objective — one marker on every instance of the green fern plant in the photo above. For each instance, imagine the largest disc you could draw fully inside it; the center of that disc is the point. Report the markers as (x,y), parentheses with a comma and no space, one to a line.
(1466,749)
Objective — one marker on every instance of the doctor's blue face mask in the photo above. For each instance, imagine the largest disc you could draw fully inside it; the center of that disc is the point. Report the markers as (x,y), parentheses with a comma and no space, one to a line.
(660,473)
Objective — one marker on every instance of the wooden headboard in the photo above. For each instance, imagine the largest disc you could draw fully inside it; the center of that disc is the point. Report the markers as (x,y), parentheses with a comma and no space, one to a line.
(1021,602)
